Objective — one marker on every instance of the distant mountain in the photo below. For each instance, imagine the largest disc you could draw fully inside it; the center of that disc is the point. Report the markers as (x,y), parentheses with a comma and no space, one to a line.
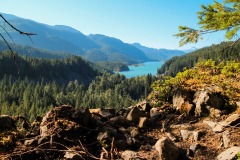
(115,49)
(95,47)
(54,38)
(158,54)
(33,52)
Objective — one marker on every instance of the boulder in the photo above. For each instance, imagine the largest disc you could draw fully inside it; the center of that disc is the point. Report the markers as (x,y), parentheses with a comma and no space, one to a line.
(129,155)
(216,127)
(134,115)
(167,150)
(119,121)
(229,154)
(182,101)
(7,123)
(106,134)
(231,120)
(154,112)
(207,99)
(142,122)
(144,106)
(82,116)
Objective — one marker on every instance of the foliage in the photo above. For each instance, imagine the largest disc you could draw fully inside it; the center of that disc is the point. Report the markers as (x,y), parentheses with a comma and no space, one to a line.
(60,70)
(42,84)
(114,66)
(225,76)
(217,53)
(212,18)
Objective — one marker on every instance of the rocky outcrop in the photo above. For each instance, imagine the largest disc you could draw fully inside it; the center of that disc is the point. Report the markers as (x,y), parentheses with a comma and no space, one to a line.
(137,132)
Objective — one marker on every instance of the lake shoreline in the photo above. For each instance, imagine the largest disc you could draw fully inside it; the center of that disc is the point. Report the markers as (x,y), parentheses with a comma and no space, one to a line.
(143,69)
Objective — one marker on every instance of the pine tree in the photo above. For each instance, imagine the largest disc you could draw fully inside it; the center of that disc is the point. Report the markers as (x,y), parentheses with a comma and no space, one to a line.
(212,18)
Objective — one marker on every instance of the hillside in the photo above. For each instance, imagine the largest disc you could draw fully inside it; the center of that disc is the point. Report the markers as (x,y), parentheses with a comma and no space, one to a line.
(200,121)
(30,51)
(95,47)
(59,70)
(219,52)
(158,54)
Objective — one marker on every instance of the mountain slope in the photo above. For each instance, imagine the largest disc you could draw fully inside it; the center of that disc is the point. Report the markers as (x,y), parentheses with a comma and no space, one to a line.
(114,48)
(33,52)
(158,54)
(218,53)
(55,38)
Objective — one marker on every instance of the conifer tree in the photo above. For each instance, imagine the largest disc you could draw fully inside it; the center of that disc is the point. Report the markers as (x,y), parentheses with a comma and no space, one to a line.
(223,16)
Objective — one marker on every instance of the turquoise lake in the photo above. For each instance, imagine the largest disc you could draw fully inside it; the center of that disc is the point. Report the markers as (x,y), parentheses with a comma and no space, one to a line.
(143,69)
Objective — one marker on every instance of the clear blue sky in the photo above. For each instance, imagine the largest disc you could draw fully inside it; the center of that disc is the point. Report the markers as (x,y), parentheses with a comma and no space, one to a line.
(149,22)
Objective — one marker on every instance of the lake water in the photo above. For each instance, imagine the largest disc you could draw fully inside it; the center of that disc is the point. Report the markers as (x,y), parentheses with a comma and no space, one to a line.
(143,69)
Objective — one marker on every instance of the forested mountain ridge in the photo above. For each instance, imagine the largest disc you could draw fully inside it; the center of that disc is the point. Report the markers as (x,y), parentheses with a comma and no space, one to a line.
(95,48)
(219,52)
(30,51)
(158,54)
(59,70)
(54,38)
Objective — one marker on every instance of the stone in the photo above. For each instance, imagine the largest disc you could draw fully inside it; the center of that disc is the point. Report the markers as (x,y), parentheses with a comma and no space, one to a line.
(186,134)
(106,134)
(216,127)
(229,154)
(144,106)
(7,123)
(129,155)
(134,115)
(72,156)
(182,101)
(167,150)
(172,137)
(154,112)
(231,120)
(226,140)
(142,122)
(31,142)
(195,146)
(82,116)
(119,121)
(107,113)
(134,133)
(206,99)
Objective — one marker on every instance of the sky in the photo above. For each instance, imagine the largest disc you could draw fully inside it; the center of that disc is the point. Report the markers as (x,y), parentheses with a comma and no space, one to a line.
(151,23)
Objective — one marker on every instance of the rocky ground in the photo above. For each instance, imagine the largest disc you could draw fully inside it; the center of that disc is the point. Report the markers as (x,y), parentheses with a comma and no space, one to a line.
(196,129)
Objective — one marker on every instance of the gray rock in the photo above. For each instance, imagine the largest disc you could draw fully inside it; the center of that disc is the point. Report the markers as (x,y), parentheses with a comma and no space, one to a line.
(207,99)
(72,156)
(231,120)
(226,140)
(144,106)
(106,134)
(107,113)
(134,115)
(229,154)
(195,146)
(182,101)
(186,134)
(119,121)
(129,155)
(167,149)
(154,112)
(216,127)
